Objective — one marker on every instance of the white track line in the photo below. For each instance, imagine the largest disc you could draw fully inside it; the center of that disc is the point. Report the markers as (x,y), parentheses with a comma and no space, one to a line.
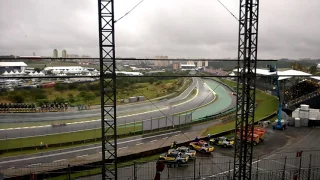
(34,164)
(82,156)
(139,144)
(59,160)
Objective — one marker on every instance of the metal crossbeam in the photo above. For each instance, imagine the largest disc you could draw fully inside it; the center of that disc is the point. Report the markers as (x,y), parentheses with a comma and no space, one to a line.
(108,88)
(247,61)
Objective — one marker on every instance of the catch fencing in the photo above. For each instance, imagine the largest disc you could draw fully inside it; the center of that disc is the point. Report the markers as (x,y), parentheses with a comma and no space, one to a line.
(167,121)
(282,166)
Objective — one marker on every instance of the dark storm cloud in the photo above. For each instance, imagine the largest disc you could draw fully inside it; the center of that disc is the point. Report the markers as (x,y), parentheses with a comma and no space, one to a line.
(178,28)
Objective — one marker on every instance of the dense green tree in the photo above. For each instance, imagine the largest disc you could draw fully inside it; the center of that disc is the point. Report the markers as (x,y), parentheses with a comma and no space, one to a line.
(313,69)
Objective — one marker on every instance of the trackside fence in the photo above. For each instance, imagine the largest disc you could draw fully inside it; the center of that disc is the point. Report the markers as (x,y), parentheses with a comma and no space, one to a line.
(283,166)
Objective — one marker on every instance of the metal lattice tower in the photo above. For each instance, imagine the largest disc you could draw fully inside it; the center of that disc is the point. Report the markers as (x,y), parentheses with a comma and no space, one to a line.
(247,61)
(108,88)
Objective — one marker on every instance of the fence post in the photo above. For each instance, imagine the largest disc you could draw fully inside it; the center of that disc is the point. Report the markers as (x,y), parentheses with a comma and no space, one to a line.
(309,170)
(69,172)
(284,169)
(194,169)
(257,168)
(134,170)
(229,175)
(168,172)
(199,169)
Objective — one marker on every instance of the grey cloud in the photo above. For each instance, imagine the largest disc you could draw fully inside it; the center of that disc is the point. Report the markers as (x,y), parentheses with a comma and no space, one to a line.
(179,28)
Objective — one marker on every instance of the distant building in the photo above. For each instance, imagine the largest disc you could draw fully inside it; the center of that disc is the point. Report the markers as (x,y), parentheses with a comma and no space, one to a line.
(64,54)
(55,53)
(188,67)
(12,66)
(190,62)
(199,64)
(161,63)
(66,69)
(176,66)
(206,64)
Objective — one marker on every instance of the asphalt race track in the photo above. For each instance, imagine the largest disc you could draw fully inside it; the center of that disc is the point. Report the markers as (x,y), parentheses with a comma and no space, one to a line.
(203,97)
(74,152)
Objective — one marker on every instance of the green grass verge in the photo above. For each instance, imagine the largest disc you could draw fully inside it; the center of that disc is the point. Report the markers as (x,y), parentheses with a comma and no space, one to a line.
(63,137)
(267,104)
(97,170)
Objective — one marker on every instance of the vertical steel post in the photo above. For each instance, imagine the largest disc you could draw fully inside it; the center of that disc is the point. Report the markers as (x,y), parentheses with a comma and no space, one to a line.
(229,172)
(199,169)
(299,174)
(134,170)
(247,61)
(69,172)
(108,88)
(284,169)
(194,169)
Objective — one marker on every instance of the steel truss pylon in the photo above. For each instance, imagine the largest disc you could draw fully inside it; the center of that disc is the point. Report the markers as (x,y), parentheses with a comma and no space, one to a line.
(247,61)
(108,88)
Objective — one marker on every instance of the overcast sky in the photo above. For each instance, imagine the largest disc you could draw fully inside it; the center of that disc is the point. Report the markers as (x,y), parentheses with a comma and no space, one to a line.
(176,28)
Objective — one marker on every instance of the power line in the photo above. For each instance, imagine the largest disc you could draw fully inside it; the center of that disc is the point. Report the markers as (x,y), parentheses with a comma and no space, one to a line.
(228,10)
(128,11)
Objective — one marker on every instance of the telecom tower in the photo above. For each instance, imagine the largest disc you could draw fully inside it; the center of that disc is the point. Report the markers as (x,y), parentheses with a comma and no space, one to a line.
(246,87)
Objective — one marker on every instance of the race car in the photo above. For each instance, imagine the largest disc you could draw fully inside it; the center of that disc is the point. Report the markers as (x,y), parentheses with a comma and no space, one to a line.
(184,150)
(174,157)
(201,146)
(58,124)
(222,141)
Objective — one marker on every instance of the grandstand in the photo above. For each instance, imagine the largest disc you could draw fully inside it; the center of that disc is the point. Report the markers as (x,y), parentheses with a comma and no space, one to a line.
(302,88)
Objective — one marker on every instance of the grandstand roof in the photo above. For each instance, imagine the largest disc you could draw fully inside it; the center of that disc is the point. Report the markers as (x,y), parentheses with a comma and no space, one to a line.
(12,64)
(265,72)
(289,73)
(284,74)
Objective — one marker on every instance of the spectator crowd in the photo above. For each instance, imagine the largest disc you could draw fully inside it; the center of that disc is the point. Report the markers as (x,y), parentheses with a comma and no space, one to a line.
(301,89)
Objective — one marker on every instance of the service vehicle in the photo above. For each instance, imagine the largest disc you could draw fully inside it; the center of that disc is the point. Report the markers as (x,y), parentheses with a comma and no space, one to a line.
(260,132)
(58,124)
(201,146)
(184,150)
(222,141)
(255,139)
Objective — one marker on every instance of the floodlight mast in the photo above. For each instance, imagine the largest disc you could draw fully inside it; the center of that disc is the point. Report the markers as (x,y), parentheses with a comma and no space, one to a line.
(246,83)
(108,88)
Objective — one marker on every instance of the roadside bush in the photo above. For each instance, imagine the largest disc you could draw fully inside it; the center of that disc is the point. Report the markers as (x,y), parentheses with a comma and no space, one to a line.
(60,100)
(72,100)
(82,94)
(40,102)
(60,87)
(38,94)
(17,97)
(83,87)
(73,86)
